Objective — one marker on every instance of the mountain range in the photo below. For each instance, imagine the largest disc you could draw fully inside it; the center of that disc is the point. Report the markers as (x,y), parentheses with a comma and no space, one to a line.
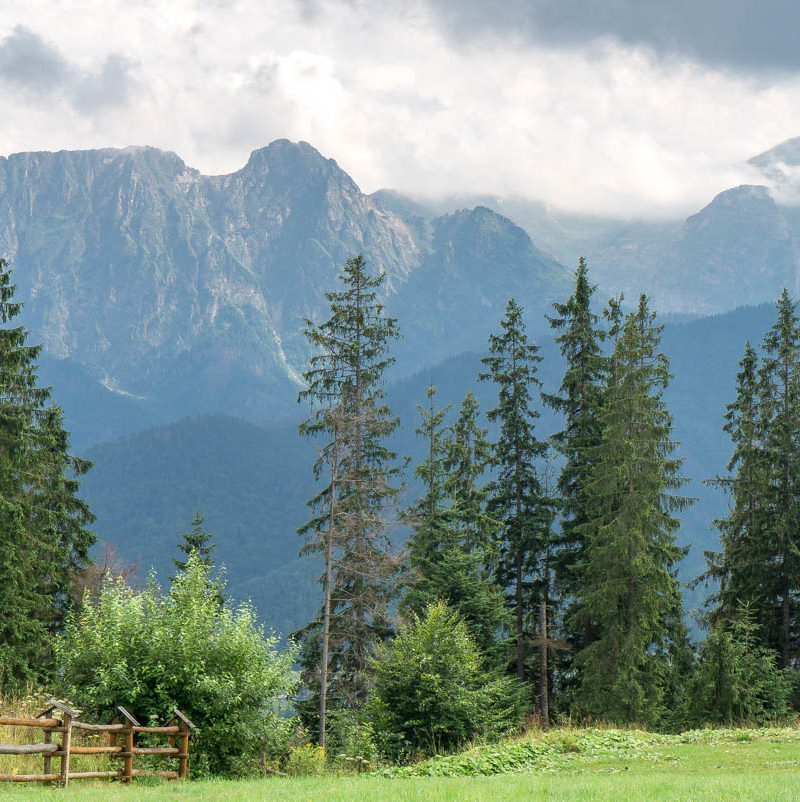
(171,307)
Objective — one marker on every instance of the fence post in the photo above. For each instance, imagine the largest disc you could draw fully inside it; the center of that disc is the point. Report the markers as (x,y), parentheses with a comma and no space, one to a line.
(183,757)
(127,766)
(66,722)
(48,739)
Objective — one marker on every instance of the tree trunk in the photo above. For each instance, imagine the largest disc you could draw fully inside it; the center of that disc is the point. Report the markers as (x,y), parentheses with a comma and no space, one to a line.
(520,628)
(544,700)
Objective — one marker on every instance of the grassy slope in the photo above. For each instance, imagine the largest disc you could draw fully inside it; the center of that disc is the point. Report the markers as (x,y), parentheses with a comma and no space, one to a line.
(704,766)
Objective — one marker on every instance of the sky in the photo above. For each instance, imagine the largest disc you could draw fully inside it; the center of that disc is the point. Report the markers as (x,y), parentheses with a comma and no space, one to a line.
(627,108)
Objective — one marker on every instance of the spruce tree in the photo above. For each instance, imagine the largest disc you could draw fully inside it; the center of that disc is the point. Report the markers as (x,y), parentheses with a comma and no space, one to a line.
(344,386)
(743,570)
(453,535)
(44,535)
(579,400)
(197,541)
(779,551)
(629,582)
(431,531)
(517,500)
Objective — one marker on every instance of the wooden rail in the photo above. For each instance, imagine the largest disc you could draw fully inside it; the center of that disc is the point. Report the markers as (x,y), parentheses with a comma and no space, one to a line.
(123,726)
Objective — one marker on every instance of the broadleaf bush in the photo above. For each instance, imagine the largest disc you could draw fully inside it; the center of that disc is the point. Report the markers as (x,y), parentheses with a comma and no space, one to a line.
(152,652)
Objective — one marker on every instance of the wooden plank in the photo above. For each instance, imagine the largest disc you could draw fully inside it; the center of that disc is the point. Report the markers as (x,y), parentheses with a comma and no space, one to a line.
(127,767)
(27,749)
(184,719)
(43,723)
(132,722)
(65,744)
(89,775)
(183,758)
(94,750)
(81,725)
(156,750)
(28,778)
(61,707)
(164,730)
(167,775)
(48,761)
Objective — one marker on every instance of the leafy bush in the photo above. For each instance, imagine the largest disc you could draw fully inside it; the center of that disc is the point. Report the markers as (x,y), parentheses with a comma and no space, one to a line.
(152,653)
(306,760)
(432,690)
(351,740)
(737,679)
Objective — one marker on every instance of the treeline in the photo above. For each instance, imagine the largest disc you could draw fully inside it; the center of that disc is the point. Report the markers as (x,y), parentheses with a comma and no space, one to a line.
(539,576)
(557,555)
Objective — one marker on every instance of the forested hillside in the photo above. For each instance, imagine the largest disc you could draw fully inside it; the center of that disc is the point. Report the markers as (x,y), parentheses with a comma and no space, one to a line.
(144,487)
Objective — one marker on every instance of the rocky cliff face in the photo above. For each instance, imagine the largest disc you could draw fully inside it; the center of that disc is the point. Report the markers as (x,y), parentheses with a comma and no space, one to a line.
(191,290)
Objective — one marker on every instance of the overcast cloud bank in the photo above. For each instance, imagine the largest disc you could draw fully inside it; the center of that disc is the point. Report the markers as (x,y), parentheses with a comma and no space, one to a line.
(623,111)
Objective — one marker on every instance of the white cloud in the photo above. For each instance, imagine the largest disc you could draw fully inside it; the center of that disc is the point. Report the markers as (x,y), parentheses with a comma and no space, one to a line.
(605,128)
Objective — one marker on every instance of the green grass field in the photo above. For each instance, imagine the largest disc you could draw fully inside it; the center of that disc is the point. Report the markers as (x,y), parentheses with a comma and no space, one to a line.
(564,765)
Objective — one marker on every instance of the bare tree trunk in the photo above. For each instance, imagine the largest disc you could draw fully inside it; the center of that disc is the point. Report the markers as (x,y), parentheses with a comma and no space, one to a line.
(326,614)
(520,620)
(326,629)
(544,700)
(786,656)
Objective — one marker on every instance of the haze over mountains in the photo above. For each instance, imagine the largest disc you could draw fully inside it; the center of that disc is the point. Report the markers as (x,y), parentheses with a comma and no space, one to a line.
(160,293)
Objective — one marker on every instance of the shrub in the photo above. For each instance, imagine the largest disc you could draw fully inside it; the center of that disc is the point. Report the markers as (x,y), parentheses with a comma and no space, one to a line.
(152,653)
(737,679)
(432,691)
(306,759)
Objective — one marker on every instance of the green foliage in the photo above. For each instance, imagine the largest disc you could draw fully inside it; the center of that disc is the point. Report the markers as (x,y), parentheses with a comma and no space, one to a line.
(629,582)
(198,542)
(432,691)
(737,679)
(44,533)
(579,400)
(556,750)
(517,499)
(344,386)
(452,542)
(153,653)
(351,740)
(306,760)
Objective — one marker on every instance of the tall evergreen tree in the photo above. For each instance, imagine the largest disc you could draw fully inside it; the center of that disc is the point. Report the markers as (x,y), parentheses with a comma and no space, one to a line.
(779,406)
(517,500)
(629,582)
(579,400)
(44,535)
(345,390)
(743,570)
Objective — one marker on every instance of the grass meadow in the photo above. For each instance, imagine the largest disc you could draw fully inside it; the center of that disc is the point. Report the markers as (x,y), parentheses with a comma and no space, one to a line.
(564,764)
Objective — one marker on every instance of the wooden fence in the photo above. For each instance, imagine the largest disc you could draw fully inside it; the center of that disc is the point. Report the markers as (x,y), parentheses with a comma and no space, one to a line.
(123,727)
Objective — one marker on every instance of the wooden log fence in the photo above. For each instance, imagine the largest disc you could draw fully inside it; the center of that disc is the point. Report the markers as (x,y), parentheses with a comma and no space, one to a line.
(122,731)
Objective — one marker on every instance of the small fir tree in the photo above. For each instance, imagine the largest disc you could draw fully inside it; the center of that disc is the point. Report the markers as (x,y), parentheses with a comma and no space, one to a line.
(196,541)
